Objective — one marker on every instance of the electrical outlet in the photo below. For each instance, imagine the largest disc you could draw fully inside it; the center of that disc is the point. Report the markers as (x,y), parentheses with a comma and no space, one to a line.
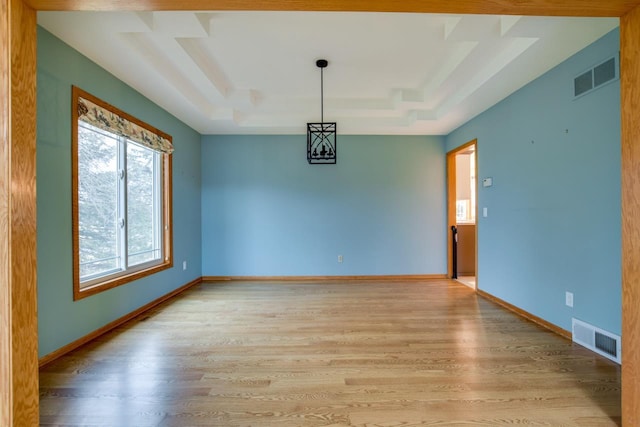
(339,258)
(184,265)
(568,299)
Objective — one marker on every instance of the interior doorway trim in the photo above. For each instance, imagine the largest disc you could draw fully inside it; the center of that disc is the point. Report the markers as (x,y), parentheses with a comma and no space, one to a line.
(451,202)
(23,318)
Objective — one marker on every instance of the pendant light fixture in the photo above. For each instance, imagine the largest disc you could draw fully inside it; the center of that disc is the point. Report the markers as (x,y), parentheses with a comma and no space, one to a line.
(321,137)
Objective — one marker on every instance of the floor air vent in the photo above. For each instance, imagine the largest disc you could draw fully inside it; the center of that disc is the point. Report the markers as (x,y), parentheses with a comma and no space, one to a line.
(595,339)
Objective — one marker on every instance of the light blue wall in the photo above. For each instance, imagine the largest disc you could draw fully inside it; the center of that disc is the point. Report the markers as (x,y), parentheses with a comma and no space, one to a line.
(554,209)
(267,212)
(60,319)
(251,205)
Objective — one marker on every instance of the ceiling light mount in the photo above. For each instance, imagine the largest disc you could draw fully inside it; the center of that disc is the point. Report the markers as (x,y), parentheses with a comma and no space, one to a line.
(321,137)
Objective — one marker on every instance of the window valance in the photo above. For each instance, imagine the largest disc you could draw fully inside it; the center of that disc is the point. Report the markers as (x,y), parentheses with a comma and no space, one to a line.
(109,121)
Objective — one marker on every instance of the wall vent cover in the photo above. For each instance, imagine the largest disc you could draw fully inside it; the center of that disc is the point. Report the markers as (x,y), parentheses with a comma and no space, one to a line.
(604,72)
(598,340)
(583,83)
(597,76)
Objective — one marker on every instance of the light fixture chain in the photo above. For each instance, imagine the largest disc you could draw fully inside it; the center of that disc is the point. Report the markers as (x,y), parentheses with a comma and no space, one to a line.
(321,95)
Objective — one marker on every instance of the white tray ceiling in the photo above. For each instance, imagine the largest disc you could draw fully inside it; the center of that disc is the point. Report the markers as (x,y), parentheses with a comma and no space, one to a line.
(388,73)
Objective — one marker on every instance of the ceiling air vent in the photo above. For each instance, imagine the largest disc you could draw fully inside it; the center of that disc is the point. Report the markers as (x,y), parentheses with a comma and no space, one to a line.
(601,74)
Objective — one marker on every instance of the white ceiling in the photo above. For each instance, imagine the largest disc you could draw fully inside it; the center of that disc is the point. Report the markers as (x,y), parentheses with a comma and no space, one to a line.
(388,73)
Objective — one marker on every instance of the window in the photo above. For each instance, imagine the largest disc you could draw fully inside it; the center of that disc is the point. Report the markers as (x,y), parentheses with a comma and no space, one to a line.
(121,197)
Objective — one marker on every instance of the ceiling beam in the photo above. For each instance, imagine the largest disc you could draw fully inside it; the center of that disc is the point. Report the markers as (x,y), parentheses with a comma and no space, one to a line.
(595,8)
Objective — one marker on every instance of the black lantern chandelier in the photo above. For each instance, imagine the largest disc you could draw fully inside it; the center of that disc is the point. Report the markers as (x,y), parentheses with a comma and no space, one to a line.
(321,137)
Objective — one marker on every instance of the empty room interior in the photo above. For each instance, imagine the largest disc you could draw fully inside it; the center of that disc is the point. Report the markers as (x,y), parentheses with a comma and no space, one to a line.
(294,288)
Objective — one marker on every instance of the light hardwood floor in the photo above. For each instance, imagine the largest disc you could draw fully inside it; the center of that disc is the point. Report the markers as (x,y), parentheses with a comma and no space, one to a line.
(469,281)
(330,354)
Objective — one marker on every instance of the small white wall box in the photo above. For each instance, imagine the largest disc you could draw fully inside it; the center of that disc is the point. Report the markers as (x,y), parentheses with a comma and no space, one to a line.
(487,182)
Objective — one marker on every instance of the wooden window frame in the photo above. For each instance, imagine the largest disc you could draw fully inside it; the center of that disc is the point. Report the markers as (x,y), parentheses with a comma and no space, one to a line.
(125,277)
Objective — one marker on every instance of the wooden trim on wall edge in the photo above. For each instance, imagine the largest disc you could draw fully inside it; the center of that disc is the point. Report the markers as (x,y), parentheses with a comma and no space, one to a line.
(580,8)
(44,360)
(525,314)
(407,277)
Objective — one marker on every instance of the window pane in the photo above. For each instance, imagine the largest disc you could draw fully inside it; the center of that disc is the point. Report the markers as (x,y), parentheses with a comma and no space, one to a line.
(97,201)
(142,204)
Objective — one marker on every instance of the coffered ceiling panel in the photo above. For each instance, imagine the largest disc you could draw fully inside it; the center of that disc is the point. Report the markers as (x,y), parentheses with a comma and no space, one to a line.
(388,73)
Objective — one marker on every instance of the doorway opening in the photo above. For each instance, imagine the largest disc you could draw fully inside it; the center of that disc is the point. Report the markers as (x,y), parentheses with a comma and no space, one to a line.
(462,248)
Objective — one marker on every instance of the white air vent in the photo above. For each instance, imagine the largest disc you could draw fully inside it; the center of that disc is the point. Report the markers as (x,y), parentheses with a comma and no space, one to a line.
(597,76)
(598,340)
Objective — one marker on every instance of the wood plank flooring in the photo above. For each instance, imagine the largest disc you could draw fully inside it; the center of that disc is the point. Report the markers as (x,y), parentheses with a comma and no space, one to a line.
(330,354)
